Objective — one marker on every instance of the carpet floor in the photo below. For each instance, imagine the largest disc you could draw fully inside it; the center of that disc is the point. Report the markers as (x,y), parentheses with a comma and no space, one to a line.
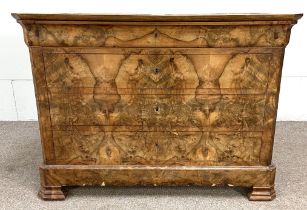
(20,156)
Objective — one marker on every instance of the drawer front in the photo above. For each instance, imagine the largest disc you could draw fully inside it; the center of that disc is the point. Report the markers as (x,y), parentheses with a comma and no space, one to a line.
(238,73)
(157,108)
(221,112)
(157,35)
(94,146)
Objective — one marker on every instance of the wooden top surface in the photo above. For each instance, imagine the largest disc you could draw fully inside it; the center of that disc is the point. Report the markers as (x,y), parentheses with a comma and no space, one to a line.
(158,18)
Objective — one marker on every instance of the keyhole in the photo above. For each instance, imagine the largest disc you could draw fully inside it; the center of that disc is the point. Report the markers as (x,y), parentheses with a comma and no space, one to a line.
(66,61)
(157,109)
(247,61)
(141,62)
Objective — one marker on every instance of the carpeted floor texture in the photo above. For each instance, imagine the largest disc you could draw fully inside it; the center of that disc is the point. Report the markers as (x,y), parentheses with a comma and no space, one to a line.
(20,156)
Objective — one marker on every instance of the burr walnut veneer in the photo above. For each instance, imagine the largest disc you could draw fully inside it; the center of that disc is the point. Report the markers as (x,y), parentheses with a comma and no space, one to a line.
(157,100)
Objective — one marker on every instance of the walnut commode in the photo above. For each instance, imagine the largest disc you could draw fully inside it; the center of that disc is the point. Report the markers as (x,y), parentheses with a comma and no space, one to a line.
(157,100)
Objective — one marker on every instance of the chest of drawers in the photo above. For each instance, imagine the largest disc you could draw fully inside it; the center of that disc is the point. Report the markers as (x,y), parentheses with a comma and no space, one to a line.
(157,100)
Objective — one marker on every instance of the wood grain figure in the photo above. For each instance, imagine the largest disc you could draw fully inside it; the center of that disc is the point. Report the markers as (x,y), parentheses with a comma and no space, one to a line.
(128,100)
